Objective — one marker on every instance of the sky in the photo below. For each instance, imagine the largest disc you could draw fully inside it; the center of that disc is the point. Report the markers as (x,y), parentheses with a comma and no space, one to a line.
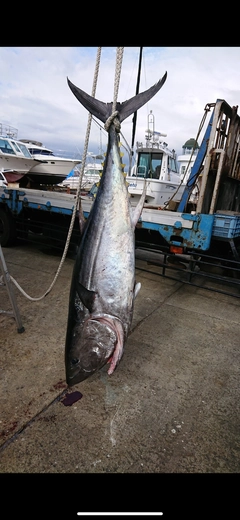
(36,99)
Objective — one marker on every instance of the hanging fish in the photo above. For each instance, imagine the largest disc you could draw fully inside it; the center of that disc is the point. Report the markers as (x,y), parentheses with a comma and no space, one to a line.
(103,285)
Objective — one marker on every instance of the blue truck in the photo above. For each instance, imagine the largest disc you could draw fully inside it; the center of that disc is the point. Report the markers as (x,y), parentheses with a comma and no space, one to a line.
(213,223)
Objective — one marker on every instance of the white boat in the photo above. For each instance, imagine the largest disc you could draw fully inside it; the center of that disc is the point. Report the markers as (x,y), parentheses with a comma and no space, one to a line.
(14,155)
(52,169)
(156,163)
(91,174)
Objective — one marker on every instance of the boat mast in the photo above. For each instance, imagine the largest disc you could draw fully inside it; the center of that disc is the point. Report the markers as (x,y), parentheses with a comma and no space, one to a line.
(135,113)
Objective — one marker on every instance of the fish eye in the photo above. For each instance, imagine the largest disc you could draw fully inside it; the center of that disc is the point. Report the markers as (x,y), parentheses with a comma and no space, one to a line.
(74,361)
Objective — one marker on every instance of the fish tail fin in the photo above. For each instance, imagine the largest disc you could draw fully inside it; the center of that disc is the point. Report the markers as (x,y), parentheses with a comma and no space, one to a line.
(103,110)
(94,106)
(133,104)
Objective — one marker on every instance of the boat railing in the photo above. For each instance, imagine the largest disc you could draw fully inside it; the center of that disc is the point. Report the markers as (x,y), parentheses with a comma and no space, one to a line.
(152,145)
(8,131)
(141,171)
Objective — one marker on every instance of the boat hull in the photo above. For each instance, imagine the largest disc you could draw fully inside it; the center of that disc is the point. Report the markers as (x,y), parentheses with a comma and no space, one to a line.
(158,193)
(51,171)
(91,176)
(13,176)
(87,182)
(16,163)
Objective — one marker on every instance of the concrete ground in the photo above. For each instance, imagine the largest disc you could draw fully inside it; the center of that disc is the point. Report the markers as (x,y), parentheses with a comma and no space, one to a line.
(172,405)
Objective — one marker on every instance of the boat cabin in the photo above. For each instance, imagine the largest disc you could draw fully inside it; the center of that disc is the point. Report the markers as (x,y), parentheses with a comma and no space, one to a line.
(8,146)
(36,148)
(158,164)
(154,164)
(154,160)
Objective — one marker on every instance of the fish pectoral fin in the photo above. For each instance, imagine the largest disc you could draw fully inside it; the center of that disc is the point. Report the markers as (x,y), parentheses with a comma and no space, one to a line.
(136,289)
(86,296)
(136,212)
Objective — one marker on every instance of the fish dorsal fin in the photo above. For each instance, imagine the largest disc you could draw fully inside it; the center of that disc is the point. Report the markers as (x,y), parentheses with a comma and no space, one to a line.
(103,110)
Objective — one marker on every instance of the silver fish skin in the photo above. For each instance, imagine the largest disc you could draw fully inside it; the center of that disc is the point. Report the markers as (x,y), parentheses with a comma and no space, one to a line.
(103,285)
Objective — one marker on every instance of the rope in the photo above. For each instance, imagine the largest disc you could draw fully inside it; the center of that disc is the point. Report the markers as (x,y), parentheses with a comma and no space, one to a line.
(119,58)
(113,118)
(78,198)
(86,138)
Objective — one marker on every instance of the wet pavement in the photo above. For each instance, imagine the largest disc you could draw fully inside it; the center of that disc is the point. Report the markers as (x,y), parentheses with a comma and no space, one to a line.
(172,405)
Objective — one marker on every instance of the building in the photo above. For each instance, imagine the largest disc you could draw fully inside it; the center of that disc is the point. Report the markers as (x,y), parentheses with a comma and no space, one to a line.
(187,158)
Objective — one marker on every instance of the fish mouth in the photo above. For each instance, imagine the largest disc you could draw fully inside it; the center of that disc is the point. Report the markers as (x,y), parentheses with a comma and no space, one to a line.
(100,342)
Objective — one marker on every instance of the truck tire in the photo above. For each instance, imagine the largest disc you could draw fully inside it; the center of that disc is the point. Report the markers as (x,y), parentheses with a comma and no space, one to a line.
(7,228)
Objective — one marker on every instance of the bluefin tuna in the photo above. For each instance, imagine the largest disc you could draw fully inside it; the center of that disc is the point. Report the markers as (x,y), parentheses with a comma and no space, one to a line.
(103,286)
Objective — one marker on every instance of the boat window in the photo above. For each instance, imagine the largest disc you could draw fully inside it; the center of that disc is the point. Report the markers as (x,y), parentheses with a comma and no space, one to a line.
(45,152)
(92,171)
(149,165)
(143,164)
(24,150)
(156,163)
(33,151)
(36,151)
(172,164)
(6,147)
(15,146)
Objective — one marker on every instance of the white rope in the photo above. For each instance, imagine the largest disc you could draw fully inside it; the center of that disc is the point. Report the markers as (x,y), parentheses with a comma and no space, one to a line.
(78,199)
(113,118)
(119,58)
(87,135)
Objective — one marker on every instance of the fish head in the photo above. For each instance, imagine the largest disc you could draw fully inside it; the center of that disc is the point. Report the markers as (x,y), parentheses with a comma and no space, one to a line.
(91,346)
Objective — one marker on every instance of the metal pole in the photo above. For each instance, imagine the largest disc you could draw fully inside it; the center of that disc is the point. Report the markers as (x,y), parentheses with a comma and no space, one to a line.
(134,120)
(7,281)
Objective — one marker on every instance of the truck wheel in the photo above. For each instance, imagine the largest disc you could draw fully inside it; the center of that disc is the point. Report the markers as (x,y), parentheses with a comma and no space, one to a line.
(7,228)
